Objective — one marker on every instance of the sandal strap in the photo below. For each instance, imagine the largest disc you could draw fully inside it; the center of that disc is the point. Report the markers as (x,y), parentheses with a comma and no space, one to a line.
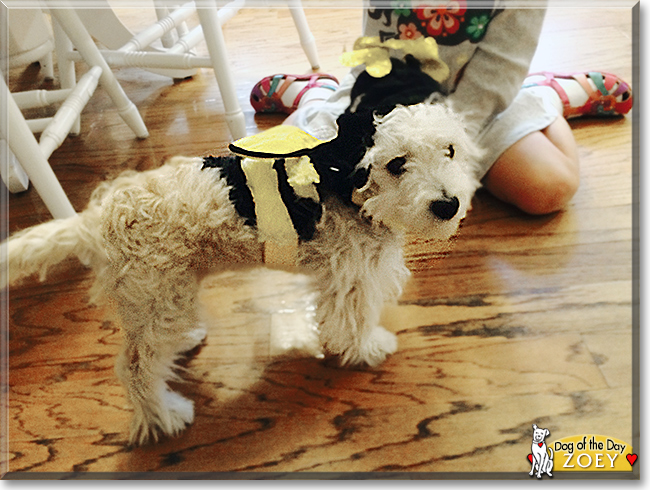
(549,80)
(581,78)
(274,81)
(622,88)
(314,81)
(288,80)
(599,82)
(599,97)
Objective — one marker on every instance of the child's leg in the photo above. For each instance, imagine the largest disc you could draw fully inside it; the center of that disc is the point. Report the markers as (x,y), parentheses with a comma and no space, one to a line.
(539,173)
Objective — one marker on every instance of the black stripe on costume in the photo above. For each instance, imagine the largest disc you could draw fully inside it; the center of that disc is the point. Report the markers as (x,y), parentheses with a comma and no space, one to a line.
(240,195)
(304,212)
(263,154)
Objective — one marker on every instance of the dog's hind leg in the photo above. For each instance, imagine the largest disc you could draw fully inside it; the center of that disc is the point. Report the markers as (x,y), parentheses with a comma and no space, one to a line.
(549,462)
(160,322)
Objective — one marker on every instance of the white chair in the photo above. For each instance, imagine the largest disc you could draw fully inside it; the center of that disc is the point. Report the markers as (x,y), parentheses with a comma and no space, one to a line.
(176,55)
(33,155)
(69,31)
(29,39)
(22,156)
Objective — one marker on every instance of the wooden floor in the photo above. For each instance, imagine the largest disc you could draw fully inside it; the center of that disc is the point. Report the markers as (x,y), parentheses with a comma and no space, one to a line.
(524,320)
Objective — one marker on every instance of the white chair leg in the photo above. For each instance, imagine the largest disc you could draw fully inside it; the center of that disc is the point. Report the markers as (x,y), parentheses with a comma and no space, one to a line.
(56,131)
(47,65)
(67,75)
(79,36)
(12,173)
(222,71)
(23,144)
(162,11)
(307,39)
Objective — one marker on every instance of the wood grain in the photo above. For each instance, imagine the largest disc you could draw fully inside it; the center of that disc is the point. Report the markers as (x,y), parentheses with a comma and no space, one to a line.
(521,320)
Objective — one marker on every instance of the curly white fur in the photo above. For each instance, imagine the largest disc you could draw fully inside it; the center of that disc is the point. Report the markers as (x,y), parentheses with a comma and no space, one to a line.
(147,234)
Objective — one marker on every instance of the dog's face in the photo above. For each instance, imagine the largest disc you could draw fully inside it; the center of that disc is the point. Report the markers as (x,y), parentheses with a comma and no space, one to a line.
(539,434)
(421,171)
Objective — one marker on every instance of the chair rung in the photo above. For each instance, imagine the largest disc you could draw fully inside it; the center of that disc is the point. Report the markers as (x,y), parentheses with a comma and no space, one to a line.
(30,99)
(54,134)
(150,59)
(159,29)
(38,125)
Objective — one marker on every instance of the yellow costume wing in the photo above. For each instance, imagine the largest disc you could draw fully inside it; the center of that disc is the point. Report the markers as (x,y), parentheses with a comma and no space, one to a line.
(282,141)
(376,55)
(282,182)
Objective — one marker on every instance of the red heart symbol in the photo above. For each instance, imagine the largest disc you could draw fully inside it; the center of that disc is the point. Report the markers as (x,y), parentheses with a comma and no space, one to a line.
(631,458)
(540,444)
(530,458)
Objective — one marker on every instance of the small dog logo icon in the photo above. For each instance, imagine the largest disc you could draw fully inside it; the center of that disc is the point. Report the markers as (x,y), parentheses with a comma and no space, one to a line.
(541,457)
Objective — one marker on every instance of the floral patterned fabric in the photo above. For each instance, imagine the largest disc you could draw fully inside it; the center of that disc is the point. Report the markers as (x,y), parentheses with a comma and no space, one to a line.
(449,22)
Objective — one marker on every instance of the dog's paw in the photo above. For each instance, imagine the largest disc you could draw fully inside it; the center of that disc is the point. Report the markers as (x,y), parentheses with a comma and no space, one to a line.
(181,413)
(168,417)
(379,344)
(192,339)
(373,349)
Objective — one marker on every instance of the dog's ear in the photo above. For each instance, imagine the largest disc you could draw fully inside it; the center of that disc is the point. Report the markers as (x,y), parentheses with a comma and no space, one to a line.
(355,135)
(534,426)
(546,431)
(336,160)
(360,177)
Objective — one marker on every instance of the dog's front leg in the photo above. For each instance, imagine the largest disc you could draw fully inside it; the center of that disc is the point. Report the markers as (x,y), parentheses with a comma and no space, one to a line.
(350,327)
(356,275)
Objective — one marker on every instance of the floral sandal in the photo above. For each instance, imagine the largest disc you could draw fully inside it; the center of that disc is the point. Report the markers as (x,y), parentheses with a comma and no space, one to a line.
(600,102)
(266,95)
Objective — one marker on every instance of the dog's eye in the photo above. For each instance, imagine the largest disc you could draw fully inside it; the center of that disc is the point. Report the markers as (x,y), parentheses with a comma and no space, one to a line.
(396,166)
(450,151)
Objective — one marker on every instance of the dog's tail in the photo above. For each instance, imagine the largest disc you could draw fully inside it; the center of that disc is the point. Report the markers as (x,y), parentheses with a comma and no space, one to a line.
(38,248)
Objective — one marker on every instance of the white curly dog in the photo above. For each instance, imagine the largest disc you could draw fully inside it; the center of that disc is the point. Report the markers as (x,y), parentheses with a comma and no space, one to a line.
(147,235)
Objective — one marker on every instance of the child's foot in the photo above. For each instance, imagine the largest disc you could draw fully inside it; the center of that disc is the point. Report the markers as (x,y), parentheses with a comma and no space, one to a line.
(585,94)
(284,93)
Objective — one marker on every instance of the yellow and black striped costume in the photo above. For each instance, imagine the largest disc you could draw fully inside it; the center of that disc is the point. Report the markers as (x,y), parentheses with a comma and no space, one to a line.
(273,183)
(279,177)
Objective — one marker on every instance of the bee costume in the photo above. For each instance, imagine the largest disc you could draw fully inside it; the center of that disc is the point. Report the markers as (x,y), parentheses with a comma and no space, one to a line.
(277,178)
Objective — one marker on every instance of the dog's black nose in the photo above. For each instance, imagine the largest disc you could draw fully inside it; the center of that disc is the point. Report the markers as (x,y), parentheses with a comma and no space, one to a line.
(445,209)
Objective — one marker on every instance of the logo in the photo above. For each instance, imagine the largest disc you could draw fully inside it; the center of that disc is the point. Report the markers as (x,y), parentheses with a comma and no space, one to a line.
(541,457)
(592,452)
(588,452)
